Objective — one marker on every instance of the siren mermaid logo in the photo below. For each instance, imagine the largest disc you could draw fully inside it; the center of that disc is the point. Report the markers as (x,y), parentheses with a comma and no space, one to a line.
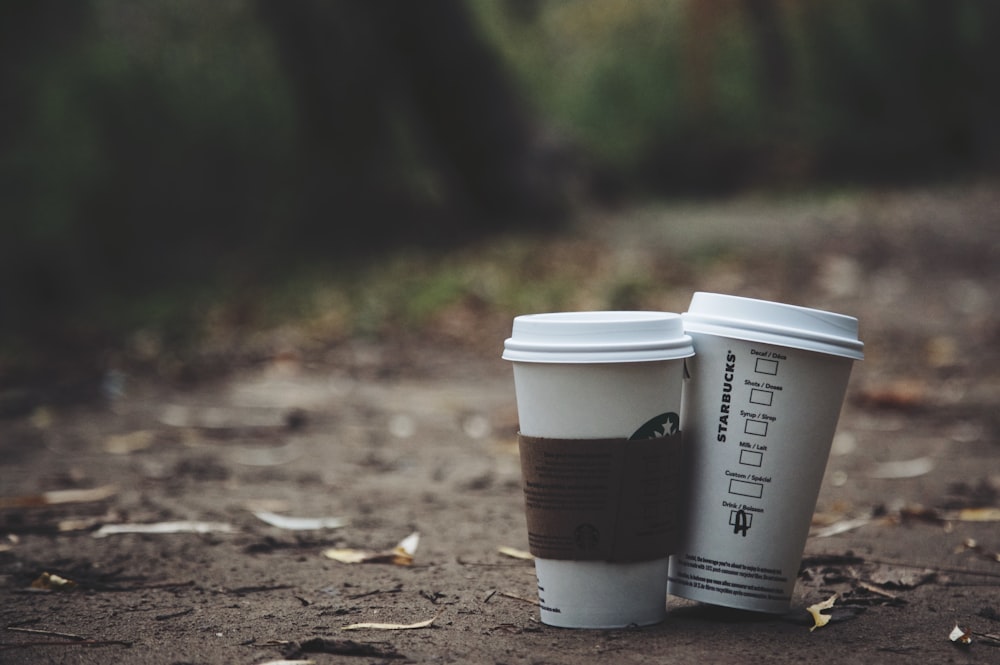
(664,424)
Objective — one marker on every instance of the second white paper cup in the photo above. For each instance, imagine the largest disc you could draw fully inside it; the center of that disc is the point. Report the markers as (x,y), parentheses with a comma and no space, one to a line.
(597,375)
(760,411)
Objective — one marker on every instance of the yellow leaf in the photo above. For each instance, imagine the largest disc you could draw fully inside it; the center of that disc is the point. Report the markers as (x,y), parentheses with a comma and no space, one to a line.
(400,555)
(53,582)
(820,620)
(344,555)
(979,515)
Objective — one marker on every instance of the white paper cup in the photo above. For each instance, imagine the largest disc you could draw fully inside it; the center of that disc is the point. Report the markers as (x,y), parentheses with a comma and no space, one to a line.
(760,409)
(598,375)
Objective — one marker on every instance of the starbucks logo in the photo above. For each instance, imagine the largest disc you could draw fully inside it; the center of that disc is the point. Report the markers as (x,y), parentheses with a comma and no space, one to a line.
(664,424)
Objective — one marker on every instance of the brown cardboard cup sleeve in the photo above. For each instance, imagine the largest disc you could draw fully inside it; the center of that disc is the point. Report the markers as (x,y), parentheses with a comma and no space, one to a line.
(601,499)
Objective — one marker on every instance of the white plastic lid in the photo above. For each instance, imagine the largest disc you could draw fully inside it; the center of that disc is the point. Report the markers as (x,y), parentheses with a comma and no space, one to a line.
(597,337)
(774,323)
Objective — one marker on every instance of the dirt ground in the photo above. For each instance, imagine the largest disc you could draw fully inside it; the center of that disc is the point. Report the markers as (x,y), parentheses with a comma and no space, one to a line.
(418,435)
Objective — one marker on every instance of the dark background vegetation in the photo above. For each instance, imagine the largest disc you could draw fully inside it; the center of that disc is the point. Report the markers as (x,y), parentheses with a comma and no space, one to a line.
(157,155)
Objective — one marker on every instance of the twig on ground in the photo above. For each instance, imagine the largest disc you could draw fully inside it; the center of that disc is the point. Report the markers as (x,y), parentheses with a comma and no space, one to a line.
(516,597)
(67,643)
(47,633)
(871,588)
(69,639)
(393,626)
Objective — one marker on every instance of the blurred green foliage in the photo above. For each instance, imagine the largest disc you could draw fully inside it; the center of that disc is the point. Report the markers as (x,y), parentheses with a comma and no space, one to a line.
(151,151)
(688,96)
(153,141)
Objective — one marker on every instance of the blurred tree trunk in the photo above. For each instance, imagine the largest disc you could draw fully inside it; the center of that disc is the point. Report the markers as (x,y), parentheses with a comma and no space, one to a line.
(392,93)
(786,155)
(982,61)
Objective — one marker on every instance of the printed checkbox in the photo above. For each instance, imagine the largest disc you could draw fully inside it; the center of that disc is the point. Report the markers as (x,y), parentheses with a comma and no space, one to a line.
(765,366)
(744,488)
(756,427)
(762,397)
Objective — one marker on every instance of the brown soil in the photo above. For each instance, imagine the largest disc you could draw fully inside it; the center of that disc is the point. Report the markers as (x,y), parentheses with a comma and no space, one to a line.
(407,436)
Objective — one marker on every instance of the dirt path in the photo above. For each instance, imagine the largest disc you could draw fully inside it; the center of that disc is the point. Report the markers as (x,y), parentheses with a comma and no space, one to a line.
(427,446)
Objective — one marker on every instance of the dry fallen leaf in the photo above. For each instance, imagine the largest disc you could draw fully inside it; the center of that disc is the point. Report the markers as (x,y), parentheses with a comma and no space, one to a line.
(899,577)
(56,497)
(977,515)
(391,626)
(401,555)
(53,582)
(971,544)
(921,514)
(959,636)
(903,469)
(935,516)
(820,620)
(872,588)
(165,527)
(347,555)
(408,546)
(87,523)
(124,444)
(12,540)
(841,526)
(300,523)
(902,394)
(78,524)
(515,553)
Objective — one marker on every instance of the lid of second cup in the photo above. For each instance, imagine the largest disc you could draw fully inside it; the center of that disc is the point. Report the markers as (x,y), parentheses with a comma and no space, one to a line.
(597,337)
(774,323)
